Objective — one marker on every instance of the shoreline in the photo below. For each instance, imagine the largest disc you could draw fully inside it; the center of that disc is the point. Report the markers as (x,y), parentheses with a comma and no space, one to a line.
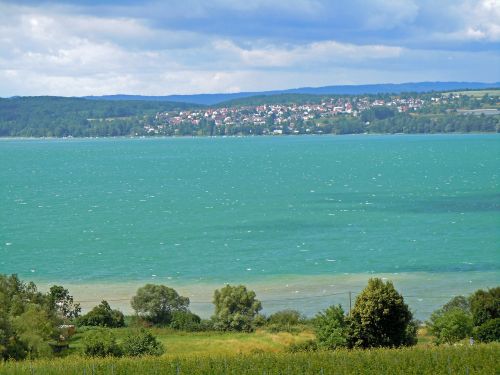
(423,292)
(239,136)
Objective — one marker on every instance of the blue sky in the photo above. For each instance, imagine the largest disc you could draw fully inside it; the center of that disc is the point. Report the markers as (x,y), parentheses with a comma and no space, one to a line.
(96,47)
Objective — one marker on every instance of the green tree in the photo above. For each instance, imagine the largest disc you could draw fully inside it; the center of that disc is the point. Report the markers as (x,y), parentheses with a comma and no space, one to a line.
(381,318)
(235,308)
(485,305)
(156,303)
(450,326)
(35,329)
(62,302)
(331,328)
(458,302)
(142,343)
(103,316)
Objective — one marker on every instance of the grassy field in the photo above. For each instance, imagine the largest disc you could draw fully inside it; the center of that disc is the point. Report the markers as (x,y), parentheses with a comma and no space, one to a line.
(463,359)
(178,343)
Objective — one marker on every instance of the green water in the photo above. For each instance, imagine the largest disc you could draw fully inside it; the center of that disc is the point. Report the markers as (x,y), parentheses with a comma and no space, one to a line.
(215,210)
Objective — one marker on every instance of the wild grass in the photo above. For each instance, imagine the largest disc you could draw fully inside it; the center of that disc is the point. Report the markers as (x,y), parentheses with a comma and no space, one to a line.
(476,359)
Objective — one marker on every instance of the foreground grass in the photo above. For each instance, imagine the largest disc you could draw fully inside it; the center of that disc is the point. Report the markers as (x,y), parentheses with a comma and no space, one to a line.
(477,359)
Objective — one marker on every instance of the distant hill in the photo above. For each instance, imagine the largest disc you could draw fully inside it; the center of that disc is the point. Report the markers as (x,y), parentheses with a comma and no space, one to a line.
(385,88)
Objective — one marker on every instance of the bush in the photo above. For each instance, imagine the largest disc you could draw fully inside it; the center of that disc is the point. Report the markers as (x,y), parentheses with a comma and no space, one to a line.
(260,320)
(235,308)
(286,318)
(489,331)
(157,303)
(450,326)
(306,346)
(331,328)
(185,321)
(485,305)
(380,318)
(142,343)
(102,316)
(100,343)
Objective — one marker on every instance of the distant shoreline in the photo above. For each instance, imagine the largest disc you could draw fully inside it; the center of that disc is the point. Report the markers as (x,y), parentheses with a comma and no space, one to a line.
(243,136)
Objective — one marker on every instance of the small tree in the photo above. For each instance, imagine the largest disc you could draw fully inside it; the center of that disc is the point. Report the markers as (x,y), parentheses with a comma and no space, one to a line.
(142,343)
(331,328)
(156,303)
(103,316)
(485,305)
(459,302)
(35,328)
(450,326)
(62,302)
(380,318)
(235,308)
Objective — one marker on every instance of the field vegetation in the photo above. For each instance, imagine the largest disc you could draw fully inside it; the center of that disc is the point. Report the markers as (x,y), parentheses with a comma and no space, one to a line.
(45,333)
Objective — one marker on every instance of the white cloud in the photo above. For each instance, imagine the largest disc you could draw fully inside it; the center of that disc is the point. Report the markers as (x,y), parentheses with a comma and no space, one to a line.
(65,51)
(314,53)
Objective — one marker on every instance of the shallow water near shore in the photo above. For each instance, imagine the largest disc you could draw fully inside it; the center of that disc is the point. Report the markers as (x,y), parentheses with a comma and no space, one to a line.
(108,215)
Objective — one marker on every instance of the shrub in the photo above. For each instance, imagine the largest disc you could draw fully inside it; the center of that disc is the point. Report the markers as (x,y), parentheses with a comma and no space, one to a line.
(485,305)
(235,308)
(489,331)
(331,328)
(380,318)
(100,343)
(102,316)
(142,343)
(35,329)
(186,321)
(306,346)
(450,326)
(157,303)
(260,320)
(286,318)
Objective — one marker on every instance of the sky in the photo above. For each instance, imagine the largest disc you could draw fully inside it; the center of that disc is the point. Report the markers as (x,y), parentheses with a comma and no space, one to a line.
(152,47)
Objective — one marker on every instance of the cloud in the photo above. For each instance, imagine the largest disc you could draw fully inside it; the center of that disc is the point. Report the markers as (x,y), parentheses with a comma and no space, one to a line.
(314,53)
(156,47)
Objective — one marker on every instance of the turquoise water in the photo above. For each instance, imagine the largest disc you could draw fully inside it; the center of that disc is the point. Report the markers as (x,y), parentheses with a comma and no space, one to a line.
(215,210)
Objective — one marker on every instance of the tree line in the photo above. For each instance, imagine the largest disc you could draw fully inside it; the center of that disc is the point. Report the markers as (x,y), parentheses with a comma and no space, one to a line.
(33,324)
(78,117)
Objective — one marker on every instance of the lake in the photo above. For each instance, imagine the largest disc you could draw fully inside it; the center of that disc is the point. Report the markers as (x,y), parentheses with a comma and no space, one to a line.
(303,219)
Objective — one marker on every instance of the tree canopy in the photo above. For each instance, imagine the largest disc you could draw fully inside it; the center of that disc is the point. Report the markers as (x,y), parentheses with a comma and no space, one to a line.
(235,308)
(381,318)
(157,303)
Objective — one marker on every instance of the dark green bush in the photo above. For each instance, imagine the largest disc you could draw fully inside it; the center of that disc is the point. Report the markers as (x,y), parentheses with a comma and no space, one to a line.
(331,328)
(141,343)
(102,316)
(489,331)
(100,343)
(485,305)
(286,318)
(306,346)
(450,326)
(185,321)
